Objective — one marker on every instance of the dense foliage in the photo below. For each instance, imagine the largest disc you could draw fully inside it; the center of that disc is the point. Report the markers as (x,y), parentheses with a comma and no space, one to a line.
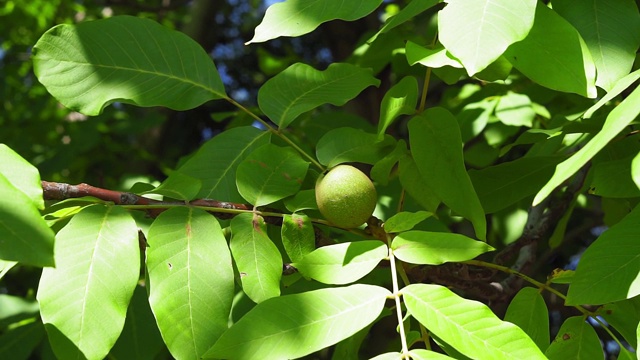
(500,136)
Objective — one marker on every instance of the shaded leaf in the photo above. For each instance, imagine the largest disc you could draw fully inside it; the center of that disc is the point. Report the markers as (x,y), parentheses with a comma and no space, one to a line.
(190,280)
(347,144)
(257,258)
(414,184)
(575,340)
(24,235)
(554,55)
(125,59)
(302,200)
(407,13)
(611,179)
(215,164)
(292,326)
(381,170)
(85,298)
(401,99)
(17,343)
(5,266)
(301,88)
(405,220)
(437,57)
(469,326)
(502,185)
(298,236)
(529,311)
(21,174)
(611,264)
(436,145)
(624,316)
(478,32)
(611,30)
(342,263)
(435,248)
(269,174)
(299,17)
(617,120)
(620,86)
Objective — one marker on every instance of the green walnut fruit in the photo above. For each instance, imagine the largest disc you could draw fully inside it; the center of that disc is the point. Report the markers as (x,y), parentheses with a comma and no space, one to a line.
(345,196)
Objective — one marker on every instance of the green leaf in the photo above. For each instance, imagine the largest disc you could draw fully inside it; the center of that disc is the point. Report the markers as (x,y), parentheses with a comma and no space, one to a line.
(405,220)
(435,248)
(554,55)
(611,264)
(292,326)
(301,88)
(140,338)
(477,32)
(190,280)
(24,235)
(85,298)
(18,343)
(21,174)
(401,99)
(413,8)
(502,185)
(422,354)
(611,179)
(617,120)
(467,325)
(635,170)
(299,17)
(611,30)
(388,356)
(269,174)
(14,309)
(215,164)
(178,186)
(529,311)
(515,110)
(575,340)
(624,316)
(342,263)
(415,185)
(620,86)
(437,57)
(124,59)
(298,236)
(258,259)
(381,170)
(5,266)
(347,144)
(473,117)
(436,145)
(302,200)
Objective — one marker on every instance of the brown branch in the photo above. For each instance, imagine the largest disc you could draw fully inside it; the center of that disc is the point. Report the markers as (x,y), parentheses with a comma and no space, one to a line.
(62,191)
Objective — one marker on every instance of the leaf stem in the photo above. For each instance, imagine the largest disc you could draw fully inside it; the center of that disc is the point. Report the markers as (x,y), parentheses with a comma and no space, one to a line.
(277,133)
(396,292)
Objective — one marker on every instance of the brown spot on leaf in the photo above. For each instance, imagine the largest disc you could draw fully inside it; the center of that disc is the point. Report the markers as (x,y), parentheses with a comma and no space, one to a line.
(188,230)
(299,223)
(566,336)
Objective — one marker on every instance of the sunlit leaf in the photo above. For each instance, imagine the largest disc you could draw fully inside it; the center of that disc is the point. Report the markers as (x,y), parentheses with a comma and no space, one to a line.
(258,259)
(529,311)
(405,220)
(434,58)
(515,110)
(21,174)
(611,30)
(84,300)
(299,17)
(298,236)
(469,326)
(554,55)
(90,65)
(190,280)
(435,248)
(269,174)
(422,354)
(5,266)
(477,32)
(25,236)
(611,264)
(301,88)
(346,144)
(436,145)
(215,164)
(575,340)
(292,326)
(617,120)
(342,263)
(620,86)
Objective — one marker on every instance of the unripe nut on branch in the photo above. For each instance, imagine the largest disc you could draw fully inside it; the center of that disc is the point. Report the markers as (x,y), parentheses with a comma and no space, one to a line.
(346,196)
